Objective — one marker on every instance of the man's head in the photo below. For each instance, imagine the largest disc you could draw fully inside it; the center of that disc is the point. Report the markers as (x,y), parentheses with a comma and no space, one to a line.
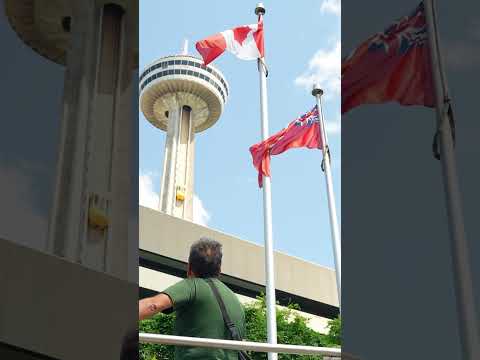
(205,258)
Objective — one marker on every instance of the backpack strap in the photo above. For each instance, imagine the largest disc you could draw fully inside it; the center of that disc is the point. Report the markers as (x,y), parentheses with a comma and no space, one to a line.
(232,328)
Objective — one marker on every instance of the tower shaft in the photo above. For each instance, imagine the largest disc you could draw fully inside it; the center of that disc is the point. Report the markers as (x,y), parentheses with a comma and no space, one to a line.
(176,196)
(182,96)
(90,212)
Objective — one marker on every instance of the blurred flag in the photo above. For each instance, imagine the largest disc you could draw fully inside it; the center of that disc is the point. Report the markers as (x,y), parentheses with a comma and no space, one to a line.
(245,42)
(391,66)
(302,132)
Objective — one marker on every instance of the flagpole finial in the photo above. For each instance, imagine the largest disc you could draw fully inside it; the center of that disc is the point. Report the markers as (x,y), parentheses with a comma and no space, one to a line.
(316,90)
(260,9)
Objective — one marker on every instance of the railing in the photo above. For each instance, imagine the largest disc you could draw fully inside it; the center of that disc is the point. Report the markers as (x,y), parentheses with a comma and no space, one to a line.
(240,345)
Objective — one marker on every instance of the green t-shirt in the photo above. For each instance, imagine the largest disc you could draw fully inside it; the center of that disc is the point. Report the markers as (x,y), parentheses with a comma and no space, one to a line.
(198,314)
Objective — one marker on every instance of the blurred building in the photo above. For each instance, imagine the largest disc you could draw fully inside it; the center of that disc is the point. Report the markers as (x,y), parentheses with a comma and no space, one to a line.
(96,42)
(57,302)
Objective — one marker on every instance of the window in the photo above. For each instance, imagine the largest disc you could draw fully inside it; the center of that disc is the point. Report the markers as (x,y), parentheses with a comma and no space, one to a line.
(177,62)
(184,72)
(189,72)
(225,85)
(170,72)
(184,62)
(170,62)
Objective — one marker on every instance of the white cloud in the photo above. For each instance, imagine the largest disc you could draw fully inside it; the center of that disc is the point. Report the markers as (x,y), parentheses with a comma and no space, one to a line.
(461,55)
(333,127)
(17,193)
(331,6)
(200,214)
(323,69)
(149,198)
(146,195)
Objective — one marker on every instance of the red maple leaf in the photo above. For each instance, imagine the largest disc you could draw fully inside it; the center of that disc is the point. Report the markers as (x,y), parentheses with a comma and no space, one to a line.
(240,33)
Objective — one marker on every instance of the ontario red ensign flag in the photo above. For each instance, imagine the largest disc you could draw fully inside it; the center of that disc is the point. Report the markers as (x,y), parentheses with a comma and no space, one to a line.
(245,42)
(391,66)
(302,132)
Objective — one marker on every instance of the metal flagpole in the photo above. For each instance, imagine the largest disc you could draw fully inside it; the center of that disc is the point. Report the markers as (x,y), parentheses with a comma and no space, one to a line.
(267,209)
(336,241)
(467,319)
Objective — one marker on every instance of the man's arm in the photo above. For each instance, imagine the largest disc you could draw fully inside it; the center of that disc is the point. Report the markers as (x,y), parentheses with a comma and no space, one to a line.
(150,306)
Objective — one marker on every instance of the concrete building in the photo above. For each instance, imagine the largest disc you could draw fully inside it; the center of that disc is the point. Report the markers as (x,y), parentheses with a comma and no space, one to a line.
(164,245)
(181,96)
(97,42)
(67,312)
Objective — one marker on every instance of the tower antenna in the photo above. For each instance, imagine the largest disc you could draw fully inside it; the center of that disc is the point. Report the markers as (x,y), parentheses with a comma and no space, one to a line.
(185,47)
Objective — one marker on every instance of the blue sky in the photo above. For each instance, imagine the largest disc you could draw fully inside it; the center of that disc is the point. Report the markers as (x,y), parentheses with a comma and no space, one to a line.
(301,44)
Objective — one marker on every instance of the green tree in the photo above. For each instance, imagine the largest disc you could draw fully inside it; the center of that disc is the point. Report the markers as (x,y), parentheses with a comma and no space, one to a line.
(334,335)
(159,324)
(291,329)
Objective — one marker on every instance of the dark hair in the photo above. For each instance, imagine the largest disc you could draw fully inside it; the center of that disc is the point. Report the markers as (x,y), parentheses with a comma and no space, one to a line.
(205,258)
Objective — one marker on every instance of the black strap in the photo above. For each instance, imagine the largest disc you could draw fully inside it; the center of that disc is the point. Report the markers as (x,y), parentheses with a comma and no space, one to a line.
(226,318)
(329,158)
(232,328)
(436,140)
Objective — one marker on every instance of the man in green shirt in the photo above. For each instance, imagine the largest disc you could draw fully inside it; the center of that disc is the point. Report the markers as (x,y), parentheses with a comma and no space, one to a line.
(197,311)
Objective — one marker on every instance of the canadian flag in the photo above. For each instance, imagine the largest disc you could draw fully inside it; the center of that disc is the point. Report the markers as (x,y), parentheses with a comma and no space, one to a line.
(245,42)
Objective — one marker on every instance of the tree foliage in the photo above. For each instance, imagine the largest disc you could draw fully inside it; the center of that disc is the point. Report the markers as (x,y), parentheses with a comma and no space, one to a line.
(159,324)
(291,329)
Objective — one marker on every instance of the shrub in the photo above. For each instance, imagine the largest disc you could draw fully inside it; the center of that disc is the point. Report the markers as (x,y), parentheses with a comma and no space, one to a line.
(291,329)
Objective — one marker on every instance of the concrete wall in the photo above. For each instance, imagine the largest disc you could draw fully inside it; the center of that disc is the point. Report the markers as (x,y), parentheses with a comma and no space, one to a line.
(60,309)
(171,237)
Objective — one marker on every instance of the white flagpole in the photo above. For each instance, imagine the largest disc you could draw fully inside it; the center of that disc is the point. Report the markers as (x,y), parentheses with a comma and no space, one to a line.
(467,319)
(267,211)
(336,241)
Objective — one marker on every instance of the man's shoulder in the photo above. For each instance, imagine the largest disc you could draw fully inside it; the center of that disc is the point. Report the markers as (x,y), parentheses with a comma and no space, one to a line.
(221,286)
